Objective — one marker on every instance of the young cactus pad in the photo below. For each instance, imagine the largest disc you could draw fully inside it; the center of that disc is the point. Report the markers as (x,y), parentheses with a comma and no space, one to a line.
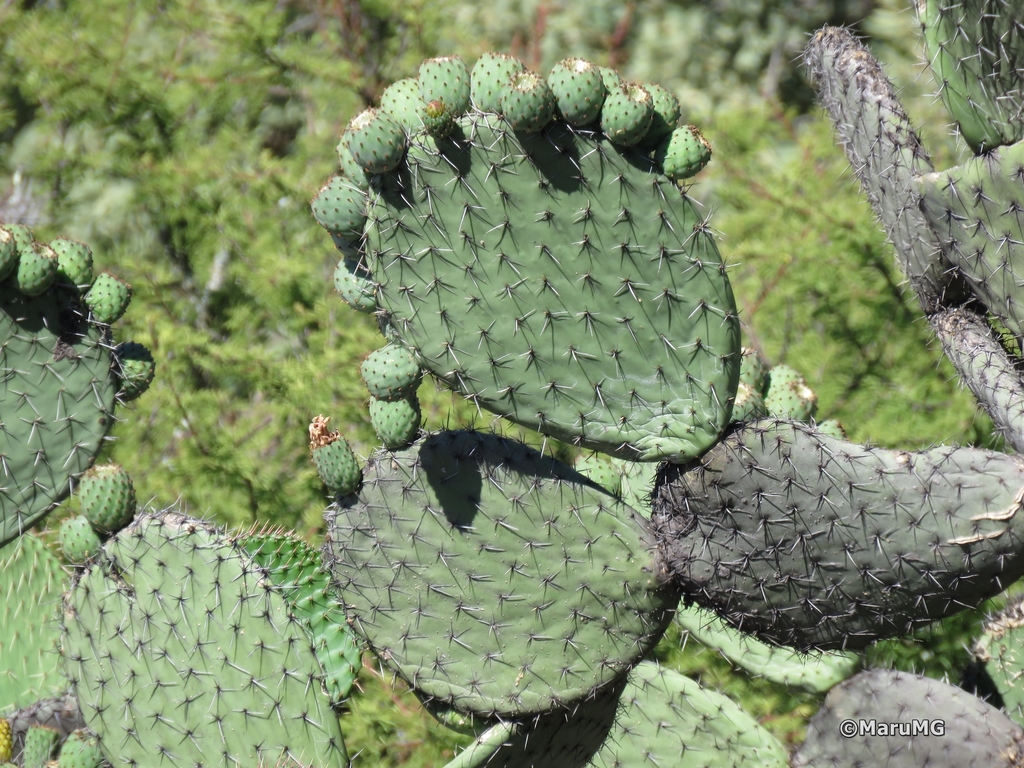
(174,607)
(492,578)
(561,281)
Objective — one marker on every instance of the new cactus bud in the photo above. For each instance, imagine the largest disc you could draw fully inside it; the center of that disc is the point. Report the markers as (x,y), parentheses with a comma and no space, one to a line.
(788,395)
(108,298)
(80,750)
(438,119)
(335,462)
(8,253)
(354,287)
(41,744)
(108,498)
(665,118)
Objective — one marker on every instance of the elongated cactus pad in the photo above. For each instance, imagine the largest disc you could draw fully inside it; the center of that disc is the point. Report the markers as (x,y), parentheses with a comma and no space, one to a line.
(1001,649)
(492,578)
(916,721)
(31,583)
(173,606)
(810,541)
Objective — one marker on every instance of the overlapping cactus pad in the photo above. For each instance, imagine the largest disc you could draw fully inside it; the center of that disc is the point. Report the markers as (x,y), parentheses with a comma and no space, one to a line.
(812,541)
(1001,649)
(181,652)
(495,579)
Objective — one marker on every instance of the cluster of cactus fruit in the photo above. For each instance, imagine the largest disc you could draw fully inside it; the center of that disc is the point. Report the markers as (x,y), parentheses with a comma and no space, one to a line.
(527,242)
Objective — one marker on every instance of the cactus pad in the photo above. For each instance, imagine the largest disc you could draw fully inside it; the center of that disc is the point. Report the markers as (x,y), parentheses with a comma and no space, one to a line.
(1001,649)
(172,605)
(492,578)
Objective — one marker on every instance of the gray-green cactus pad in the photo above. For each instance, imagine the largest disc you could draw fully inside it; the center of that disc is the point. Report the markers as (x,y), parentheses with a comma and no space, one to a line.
(1001,649)
(56,399)
(494,579)
(562,282)
(810,541)
(181,652)
(917,722)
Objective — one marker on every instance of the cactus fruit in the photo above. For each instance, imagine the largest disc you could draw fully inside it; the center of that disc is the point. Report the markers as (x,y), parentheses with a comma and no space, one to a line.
(665,117)
(684,153)
(456,551)
(899,720)
(446,79)
(340,208)
(335,462)
(1000,649)
(136,370)
(749,405)
(754,370)
(108,498)
(391,373)
(37,269)
(376,140)
(403,102)
(80,750)
(627,114)
(611,77)
(527,102)
(396,422)
(844,544)
(579,91)
(490,78)
(79,542)
(788,396)
(6,741)
(41,744)
(8,253)
(74,262)
(181,608)
(355,288)
(108,298)
(832,428)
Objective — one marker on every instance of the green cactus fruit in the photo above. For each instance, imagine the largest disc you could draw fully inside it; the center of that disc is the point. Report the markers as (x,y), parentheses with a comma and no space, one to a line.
(627,114)
(107,497)
(446,79)
(189,613)
(438,119)
(527,102)
(788,396)
(335,462)
(683,154)
(41,744)
(402,101)
(23,236)
(294,568)
(602,471)
(749,532)
(340,208)
(749,405)
(80,750)
(754,371)
(1001,649)
(6,740)
(376,140)
(355,290)
(899,720)
(666,116)
(31,586)
(391,373)
(8,253)
(832,428)
(976,51)
(557,245)
(490,78)
(611,77)
(816,671)
(78,540)
(485,614)
(136,370)
(37,269)
(351,250)
(396,422)
(108,298)
(74,262)
(579,91)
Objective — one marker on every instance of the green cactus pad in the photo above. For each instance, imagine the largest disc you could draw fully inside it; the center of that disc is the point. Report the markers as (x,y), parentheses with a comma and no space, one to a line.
(396,422)
(80,750)
(30,589)
(490,78)
(294,568)
(683,154)
(335,462)
(340,208)
(8,253)
(355,289)
(788,396)
(135,368)
(74,262)
(58,712)
(813,542)
(627,114)
(173,605)
(446,79)
(107,497)
(41,744)
(108,298)
(665,118)
(492,578)
(578,293)
(601,470)
(976,50)
(815,671)
(57,401)
(579,91)
(917,721)
(402,101)
(391,373)
(376,140)
(1001,649)
(37,269)
(78,540)
(527,102)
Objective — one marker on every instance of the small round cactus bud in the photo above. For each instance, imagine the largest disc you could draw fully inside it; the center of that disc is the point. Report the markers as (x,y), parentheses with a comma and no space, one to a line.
(627,114)
(446,79)
(108,298)
(74,262)
(490,78)
(37,269)
(665,118)
(402,101)
(355,290)
(391,373)
(80,750)
(8,253)
(528,103)
(78,539)
(340,208)
(579,91)
(335,462)
(438,119)
(396,422)
(108,498)
(136,369)
(683,154)
(376,140)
